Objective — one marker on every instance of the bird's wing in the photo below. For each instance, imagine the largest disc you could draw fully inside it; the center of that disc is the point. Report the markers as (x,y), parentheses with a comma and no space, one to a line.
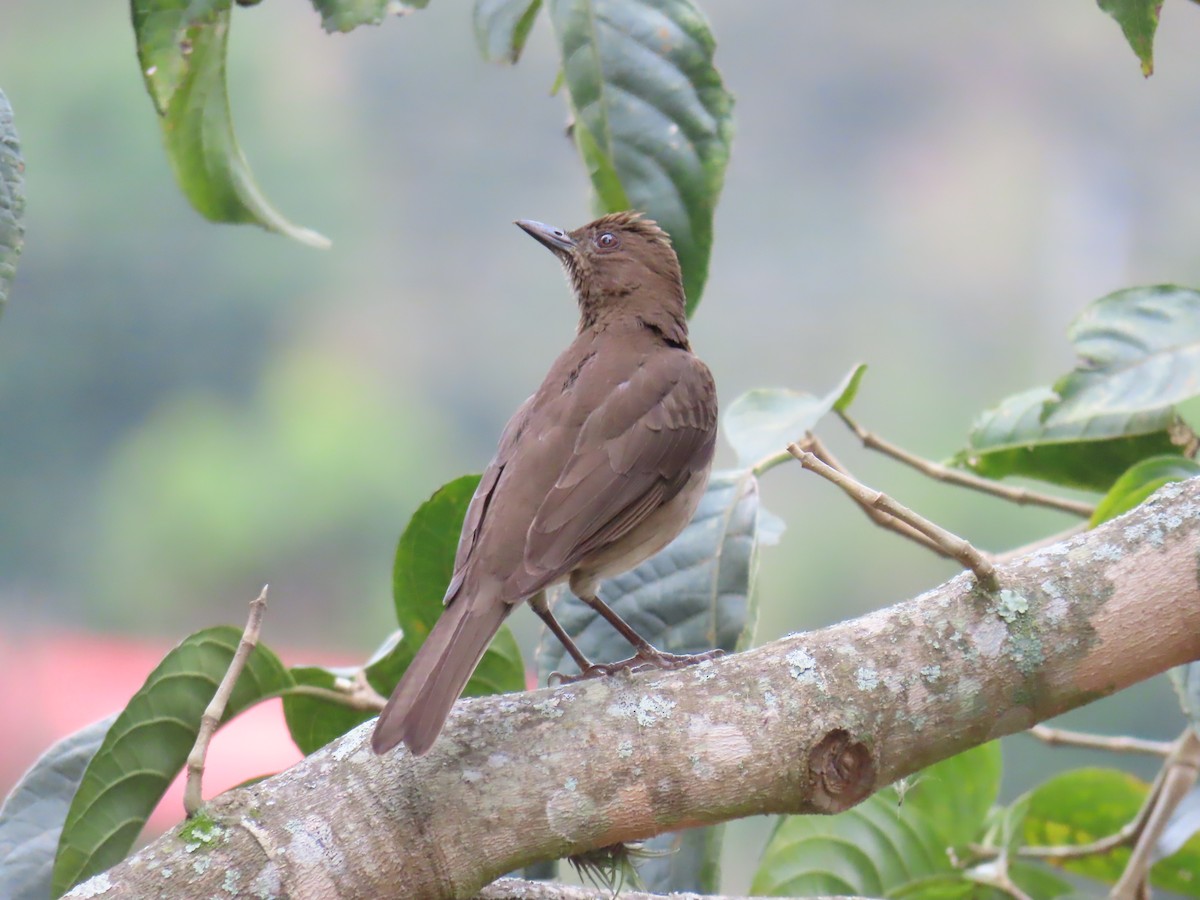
(643,440)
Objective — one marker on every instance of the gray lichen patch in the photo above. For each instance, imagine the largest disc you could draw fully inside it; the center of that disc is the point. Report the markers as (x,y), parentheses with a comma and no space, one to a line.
(201,831)
(803,667)
(646,709)
(866,678)
(1010,606)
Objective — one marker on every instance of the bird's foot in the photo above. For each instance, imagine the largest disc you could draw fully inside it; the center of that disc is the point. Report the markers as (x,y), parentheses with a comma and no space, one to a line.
(651,658)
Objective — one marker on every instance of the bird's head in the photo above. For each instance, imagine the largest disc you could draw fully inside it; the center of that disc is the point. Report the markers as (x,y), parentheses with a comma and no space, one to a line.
(620,263)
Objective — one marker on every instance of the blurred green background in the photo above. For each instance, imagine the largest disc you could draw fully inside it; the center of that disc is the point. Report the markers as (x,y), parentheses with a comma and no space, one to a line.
(188,411)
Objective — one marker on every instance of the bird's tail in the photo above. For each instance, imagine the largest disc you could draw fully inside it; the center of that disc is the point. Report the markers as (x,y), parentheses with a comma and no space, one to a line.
(419,705)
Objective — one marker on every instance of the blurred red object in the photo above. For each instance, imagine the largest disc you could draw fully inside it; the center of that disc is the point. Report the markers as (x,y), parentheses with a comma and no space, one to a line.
(56,683)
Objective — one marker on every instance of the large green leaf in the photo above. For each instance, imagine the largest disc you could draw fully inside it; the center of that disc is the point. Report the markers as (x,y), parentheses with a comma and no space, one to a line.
(652,119)
(1139,353)
(148,745)
(502,26)
(1138,20)
(181,47)
(1141,480)
(763,421)
(694,595)
(1084,805)
(890,841)
(12,200)
(1082,452)
(32,816)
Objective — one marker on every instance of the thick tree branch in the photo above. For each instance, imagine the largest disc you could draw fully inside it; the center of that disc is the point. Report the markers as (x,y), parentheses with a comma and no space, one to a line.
(811,723)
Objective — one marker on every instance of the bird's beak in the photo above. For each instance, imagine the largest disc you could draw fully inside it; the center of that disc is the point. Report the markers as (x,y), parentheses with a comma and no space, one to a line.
(554,238)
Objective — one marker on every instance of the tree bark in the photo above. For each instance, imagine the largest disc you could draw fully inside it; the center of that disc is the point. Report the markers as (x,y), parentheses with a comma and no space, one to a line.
(814,722)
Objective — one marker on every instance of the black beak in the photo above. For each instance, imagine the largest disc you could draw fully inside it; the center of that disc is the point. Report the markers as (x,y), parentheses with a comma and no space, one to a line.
(554,238)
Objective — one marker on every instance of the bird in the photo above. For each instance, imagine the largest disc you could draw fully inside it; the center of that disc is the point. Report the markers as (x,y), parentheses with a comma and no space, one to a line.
(597,471)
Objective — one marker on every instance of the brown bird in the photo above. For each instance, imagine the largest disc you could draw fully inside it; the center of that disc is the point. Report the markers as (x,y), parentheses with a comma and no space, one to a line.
(596,472)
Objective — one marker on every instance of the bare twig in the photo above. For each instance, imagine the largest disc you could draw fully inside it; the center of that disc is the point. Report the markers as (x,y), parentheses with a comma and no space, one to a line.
(193,798)
(937,471)
(1116,744)
(1176,779)
(885,520)
(954,546)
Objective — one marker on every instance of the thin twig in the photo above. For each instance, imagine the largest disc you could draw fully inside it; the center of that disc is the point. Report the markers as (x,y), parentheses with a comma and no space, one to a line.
(350,698)
(885,520)
(937,471)
(193,798)
(1116,744)
(1180,771)
(954,546)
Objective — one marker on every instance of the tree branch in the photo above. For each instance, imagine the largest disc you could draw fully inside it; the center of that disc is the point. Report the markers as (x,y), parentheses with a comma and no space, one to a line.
(814,722)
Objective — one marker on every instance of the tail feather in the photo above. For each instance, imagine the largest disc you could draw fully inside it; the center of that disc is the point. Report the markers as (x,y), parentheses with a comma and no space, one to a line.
(421,702)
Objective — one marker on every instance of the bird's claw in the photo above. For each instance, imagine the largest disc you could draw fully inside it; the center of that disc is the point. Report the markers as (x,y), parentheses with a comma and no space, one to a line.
(639,662)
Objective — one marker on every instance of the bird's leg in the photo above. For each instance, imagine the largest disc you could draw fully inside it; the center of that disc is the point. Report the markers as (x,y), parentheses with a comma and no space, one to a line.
(541,606)
(647,655)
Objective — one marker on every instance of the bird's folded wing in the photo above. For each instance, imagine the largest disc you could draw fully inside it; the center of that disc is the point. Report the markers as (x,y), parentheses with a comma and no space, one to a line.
(636,450)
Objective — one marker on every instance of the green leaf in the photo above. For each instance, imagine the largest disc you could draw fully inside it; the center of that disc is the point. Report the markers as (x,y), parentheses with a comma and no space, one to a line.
(763,421)
(1138,20)
(346,15)
(502,27)
(1139,481)
(425,557)
(653,121)
(181,47)
(1139,352)
(148,745)
(890,841)
(12,200)
(1087,453)
(1084,805)
(32,816)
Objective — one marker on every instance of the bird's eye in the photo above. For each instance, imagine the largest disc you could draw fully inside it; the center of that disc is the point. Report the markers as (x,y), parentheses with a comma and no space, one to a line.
(608,241)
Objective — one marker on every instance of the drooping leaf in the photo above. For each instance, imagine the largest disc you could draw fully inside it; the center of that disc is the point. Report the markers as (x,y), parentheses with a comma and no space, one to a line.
(1141,480)
(652,119)
(695,595)
(1087,453)
(1084,805)
(502,26)
(346,15)
(182,47)
(889,841)
(764,421)
(1138,20)
(32,816)
(1139,352)
(148,744)
(12,200)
